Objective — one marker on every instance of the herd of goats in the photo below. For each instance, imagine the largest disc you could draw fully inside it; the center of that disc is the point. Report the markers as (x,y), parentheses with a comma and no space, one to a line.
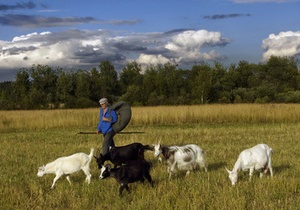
(129,164)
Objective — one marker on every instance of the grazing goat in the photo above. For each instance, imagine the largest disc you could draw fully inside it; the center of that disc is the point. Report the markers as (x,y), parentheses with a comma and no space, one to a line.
(188,157)
(255,158)
(123,154)
(68,165)
(132,171)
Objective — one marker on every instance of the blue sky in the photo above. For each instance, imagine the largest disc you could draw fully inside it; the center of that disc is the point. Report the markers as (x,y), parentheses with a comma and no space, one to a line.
(76,34)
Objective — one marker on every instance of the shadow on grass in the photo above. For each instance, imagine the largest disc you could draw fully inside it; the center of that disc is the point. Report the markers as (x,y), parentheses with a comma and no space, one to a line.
(281,168)
(216,166)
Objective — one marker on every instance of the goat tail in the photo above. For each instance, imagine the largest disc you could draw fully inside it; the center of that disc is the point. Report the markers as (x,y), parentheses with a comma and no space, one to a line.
(201,157)
(91,154)
(148,147)
(270,152)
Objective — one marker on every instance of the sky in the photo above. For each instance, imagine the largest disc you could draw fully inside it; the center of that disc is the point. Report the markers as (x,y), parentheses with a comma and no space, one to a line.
(75,34)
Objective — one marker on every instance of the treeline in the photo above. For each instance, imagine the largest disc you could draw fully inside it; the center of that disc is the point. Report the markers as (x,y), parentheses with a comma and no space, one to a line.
(42,87)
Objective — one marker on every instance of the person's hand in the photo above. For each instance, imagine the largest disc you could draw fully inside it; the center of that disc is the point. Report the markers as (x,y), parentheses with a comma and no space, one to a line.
(106,119)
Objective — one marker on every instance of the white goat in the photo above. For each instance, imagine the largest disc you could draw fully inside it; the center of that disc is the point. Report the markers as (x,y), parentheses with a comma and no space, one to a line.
(68,165)
(255,158)
(187,157)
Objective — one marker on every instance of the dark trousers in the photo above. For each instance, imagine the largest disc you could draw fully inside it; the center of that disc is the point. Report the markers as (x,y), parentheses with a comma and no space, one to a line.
(108,141)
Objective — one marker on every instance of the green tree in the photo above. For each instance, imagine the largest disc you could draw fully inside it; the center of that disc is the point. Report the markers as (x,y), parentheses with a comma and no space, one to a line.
(133,95)
(184,89)
(95,86)
(83,90)
(239,82)
(244,72)
(283,73)
(169,83)
(221,87)
(130,75)
(21,88)
(6,95)
(131,83)
(43,86)
(65,89)
(150,86)
(108,80)
(201,83)
(279,75)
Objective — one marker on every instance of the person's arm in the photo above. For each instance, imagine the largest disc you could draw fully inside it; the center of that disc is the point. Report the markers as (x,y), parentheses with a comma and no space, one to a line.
(114,116)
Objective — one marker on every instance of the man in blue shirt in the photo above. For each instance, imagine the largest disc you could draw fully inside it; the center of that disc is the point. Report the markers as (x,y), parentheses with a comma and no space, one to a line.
(107,118)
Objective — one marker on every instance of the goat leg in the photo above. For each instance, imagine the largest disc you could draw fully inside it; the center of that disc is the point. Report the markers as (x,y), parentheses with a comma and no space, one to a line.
(149,178)
(58,175)
(68,178)
(88,175)
(251,173)
(121,188)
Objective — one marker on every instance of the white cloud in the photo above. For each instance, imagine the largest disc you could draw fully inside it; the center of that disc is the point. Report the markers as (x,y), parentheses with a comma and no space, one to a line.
(152,59)
(187,45)
(283,44)
(24,37)
(85,49)
(26,50)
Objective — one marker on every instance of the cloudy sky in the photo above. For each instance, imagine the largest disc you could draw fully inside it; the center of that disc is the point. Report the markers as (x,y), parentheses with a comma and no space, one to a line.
(76,34)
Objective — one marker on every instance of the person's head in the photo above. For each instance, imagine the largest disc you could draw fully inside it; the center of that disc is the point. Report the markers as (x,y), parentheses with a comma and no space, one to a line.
(103,102)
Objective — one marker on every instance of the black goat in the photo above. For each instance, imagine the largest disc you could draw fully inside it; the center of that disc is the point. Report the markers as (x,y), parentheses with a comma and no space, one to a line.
(123,154)
(133,171)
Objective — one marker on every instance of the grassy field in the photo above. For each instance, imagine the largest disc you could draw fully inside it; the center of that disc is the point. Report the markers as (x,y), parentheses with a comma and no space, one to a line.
(30,139)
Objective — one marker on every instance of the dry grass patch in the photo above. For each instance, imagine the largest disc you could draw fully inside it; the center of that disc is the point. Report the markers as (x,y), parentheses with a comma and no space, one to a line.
(222,131)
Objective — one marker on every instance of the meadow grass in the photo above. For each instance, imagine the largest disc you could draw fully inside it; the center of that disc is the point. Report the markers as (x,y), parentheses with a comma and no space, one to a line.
(30,139)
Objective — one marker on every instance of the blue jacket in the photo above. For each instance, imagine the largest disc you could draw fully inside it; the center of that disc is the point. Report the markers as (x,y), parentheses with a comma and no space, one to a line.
(103,126)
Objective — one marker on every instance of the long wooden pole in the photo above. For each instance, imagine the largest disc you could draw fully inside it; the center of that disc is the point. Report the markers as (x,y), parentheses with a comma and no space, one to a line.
(128,132)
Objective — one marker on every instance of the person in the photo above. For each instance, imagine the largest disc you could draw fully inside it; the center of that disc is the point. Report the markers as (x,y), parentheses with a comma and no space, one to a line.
(107,118)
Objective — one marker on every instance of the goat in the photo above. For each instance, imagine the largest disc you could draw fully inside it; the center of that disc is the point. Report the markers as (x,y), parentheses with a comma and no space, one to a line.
(132,171)
(255,158)
(123,154)
(187,157)
(68,165)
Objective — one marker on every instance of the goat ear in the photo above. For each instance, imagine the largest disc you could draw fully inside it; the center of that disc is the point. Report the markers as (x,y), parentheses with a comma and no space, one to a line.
(108,166)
